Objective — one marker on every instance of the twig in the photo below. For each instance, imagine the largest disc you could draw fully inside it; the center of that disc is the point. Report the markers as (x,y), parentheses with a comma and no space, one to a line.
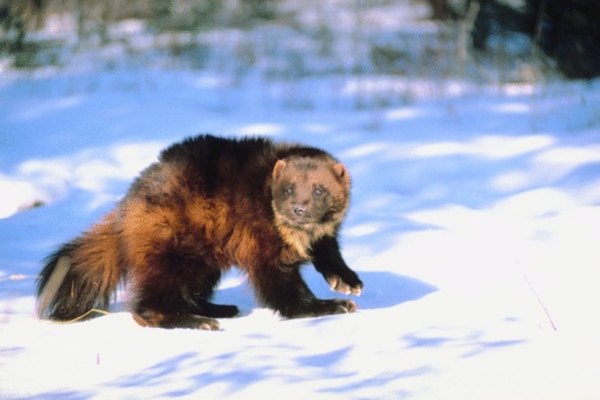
(548,316)
(82,316)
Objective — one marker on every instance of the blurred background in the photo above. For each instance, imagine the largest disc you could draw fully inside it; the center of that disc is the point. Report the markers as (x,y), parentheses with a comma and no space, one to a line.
(486,41)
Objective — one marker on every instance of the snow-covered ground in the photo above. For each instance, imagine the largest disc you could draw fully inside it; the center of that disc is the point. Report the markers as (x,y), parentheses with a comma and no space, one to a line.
(474,225)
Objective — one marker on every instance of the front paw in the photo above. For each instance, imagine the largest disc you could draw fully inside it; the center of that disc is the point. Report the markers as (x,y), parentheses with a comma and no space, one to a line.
(337,284)
(320,308)
(336,306)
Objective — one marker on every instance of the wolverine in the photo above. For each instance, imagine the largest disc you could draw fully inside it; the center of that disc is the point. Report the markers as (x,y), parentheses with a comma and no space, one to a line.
(206,205)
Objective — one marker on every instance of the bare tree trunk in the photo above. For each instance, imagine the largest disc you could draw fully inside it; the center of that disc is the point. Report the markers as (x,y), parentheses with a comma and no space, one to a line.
(466,28)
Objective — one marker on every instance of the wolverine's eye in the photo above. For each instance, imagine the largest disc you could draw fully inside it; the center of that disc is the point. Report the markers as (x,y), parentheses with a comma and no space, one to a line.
(318,192)
(288,190)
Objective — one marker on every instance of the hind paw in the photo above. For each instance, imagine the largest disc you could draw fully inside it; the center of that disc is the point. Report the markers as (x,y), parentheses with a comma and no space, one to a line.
(171,321)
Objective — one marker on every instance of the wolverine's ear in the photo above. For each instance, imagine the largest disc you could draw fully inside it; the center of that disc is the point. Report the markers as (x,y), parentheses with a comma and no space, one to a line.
(279,165)
(342,173)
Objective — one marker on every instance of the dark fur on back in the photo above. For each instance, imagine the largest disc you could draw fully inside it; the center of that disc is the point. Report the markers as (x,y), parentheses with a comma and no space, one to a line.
(206,205)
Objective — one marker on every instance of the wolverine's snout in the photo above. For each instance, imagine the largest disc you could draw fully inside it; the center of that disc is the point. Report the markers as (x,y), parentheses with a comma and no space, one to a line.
(299,210)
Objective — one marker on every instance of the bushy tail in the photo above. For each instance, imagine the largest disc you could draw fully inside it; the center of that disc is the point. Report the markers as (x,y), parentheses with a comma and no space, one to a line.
(82,275)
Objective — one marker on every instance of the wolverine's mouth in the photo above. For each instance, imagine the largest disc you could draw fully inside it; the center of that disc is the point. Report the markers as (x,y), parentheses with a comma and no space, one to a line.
(298,222)
(308,219)
(302,221)
(295,216)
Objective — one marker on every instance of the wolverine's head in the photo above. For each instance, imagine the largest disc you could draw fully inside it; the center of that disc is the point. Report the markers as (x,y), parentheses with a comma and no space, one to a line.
(310,190)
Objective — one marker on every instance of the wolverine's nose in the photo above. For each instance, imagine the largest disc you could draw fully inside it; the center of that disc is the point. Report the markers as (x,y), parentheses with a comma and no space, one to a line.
(299,210)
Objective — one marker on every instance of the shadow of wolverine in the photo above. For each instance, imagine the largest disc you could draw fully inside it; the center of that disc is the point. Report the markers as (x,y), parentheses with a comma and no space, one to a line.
(208,204)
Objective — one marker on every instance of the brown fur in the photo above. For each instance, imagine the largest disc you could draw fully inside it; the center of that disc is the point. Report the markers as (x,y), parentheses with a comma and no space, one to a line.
(207,205)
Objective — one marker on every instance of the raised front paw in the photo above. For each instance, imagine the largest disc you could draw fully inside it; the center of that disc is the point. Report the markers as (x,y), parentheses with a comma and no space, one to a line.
(351,286)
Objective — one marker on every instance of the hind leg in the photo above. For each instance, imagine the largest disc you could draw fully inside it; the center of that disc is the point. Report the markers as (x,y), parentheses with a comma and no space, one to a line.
(171,291)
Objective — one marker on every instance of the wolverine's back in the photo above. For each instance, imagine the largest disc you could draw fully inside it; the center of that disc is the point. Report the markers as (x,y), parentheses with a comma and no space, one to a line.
(204,164)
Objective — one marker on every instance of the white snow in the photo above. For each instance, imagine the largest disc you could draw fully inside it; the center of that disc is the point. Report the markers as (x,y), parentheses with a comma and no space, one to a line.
(474,225)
